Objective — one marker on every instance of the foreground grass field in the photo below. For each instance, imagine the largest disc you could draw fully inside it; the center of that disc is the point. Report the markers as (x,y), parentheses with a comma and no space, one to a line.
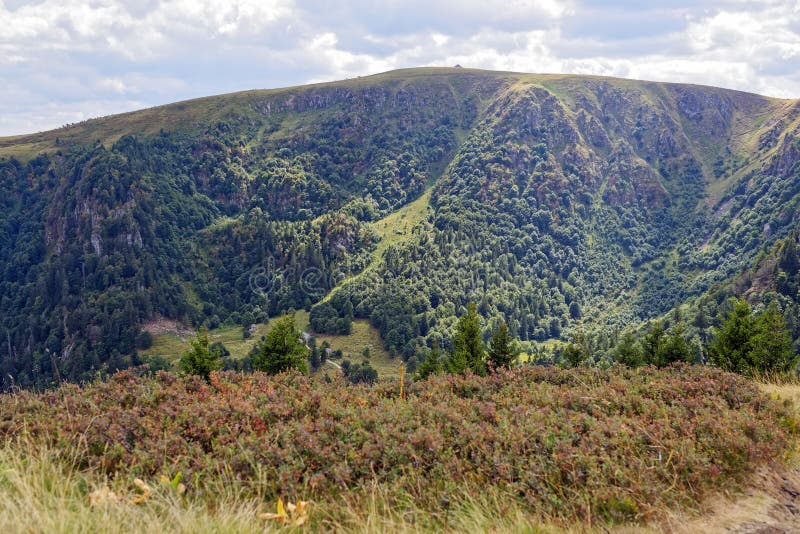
(528,449)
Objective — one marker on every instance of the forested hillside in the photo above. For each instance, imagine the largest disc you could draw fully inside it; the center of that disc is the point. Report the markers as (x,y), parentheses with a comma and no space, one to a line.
(556,202)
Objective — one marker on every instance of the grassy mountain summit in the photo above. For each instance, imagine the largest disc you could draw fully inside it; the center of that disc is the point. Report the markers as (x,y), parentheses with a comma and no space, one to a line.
(554,201)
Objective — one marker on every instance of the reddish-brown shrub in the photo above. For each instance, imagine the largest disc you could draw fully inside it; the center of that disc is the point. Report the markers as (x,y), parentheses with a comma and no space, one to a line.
(616,443)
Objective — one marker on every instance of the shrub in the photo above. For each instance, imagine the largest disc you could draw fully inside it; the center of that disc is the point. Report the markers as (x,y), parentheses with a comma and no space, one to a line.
(628,352)
(360,373)
(569,444)
(157,363)
(144,340)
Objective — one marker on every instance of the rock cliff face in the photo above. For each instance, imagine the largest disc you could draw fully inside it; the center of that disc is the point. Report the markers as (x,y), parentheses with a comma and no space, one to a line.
(557,201)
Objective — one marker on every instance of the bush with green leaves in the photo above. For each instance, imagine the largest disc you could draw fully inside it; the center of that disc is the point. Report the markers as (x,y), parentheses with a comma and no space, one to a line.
(362,373)
(628,351)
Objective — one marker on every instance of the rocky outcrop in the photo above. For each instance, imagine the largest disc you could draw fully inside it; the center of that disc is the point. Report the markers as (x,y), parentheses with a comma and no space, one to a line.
(784,163)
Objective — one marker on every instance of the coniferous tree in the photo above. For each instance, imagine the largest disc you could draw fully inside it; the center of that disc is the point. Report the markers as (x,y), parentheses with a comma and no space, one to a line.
(282,349)
(503,350)
(771,346)
(789,260)
(457,362)
(731,345)
(431,365)
(628,352)
(200,359)
(469,352)
(314,359)
(674,348)
(653,343)
(577,351)
(574,355)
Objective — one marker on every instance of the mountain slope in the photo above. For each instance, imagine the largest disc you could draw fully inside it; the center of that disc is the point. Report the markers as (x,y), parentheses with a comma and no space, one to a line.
(593,208)
(558,200)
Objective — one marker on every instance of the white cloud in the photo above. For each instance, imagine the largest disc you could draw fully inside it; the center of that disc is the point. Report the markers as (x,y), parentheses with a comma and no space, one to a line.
(65,60)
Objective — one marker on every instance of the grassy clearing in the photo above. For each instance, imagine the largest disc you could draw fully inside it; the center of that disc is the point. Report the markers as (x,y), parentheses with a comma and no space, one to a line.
(397,226)
(172,344)
(392,229)
(364,335)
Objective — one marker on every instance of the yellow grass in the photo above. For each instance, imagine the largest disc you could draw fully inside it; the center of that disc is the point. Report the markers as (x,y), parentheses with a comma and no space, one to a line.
(784,392)
(765,506)
(41,491)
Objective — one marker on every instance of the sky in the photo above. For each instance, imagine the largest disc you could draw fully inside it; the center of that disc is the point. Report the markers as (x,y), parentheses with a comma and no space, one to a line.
(63,61)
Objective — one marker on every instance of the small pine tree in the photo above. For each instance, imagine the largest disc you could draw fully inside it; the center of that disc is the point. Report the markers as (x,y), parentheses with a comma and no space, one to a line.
(503,350)
(469,352)
(578,351)
(411,365)
(314,360)
(144,340)
(771,346)
(674,348)
(653,343)
(574,355)
(282,349)
(628,352)
(789,260)
(731,345)
(200,359)
(431,365)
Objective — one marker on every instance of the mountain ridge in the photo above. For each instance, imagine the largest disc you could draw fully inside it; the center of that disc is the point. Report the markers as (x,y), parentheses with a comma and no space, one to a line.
(181,105)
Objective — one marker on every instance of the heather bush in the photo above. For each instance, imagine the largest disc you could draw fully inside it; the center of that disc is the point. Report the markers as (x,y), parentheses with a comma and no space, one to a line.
(614,444)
